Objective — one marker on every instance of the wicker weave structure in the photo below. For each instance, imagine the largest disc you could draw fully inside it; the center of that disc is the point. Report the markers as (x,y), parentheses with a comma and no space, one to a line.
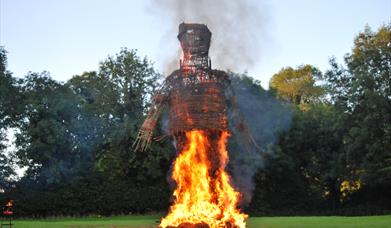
(197,96)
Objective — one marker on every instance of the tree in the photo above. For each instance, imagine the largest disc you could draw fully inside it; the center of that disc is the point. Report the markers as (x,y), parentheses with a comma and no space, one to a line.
(75,136)
(9,111)
(364,91)
(131,82)
(307,163)
(49,140)
(116,97)
(100,111)
(297,85)
(134,78)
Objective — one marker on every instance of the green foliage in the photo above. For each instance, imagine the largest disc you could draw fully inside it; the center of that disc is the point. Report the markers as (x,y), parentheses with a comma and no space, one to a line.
(133,78)
(9,98)
(47,139)
(306,163)
(117,98)
(363,90)
(336,156)
(90,195)
(297,85)
(75,139)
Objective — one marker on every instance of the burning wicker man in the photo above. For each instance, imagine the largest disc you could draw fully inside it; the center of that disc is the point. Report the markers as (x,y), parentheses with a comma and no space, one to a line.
(198,99)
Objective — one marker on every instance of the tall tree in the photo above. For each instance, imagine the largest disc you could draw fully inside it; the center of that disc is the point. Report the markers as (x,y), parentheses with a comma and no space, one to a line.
(364,91)
(8,111)
(47,141)
(118,97)
(134,78)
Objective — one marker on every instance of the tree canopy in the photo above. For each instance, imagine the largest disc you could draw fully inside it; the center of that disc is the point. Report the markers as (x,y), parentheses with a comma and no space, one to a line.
(297,85)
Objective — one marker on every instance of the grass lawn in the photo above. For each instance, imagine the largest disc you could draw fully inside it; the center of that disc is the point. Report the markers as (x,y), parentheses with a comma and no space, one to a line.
(253,222)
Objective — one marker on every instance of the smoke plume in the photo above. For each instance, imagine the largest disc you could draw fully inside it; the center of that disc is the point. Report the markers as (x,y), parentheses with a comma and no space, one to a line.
(266,118)
(237,29)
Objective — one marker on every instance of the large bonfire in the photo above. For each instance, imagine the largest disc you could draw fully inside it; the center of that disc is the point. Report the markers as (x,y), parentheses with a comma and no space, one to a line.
(204,195)
(198,99)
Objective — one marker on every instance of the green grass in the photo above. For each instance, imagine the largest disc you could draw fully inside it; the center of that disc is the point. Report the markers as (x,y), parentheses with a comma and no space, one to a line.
(253,222)
(320,222)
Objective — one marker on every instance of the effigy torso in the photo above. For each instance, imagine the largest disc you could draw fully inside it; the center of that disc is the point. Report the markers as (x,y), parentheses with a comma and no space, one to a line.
(197,100)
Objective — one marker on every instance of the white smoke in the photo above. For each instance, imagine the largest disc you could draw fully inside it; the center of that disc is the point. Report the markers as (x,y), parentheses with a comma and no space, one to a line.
(237,29)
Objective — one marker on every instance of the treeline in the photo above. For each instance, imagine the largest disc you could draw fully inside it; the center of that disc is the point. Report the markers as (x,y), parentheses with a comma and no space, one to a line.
(74,139)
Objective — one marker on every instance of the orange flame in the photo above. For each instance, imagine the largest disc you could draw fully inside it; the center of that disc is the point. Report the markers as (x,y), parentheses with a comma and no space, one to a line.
(203,193)
(10,203)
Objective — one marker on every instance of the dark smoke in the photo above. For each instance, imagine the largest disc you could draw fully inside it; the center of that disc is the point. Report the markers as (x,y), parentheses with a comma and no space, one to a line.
(237,29)
(265,117)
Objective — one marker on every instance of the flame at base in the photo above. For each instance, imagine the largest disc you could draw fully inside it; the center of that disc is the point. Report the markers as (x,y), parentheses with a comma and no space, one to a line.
(203,193)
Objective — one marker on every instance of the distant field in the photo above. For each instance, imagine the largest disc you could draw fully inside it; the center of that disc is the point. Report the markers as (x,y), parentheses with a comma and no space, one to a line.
(253,222)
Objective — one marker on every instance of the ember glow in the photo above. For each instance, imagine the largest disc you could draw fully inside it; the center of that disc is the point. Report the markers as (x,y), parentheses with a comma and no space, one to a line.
(203,193)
